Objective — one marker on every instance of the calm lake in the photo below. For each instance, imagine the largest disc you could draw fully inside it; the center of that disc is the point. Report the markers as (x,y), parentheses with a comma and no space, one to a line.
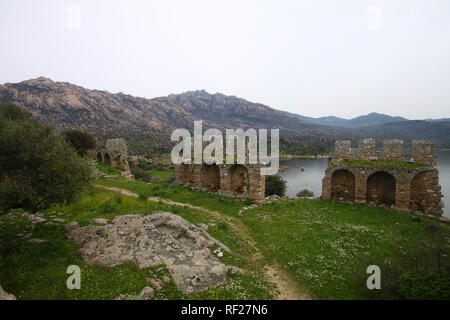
(311,178)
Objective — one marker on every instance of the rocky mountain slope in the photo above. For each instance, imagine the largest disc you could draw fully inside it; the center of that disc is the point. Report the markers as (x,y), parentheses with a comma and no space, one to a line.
(105,114)
(70,106)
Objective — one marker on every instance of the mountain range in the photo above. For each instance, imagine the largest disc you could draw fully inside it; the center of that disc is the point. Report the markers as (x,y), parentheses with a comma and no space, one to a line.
(105,114)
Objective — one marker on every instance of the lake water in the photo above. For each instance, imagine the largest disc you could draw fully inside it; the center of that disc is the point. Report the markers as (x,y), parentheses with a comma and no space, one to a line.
(311,178)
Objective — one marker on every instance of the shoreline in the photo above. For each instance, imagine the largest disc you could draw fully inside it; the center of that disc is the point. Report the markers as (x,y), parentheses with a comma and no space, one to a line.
(296,156)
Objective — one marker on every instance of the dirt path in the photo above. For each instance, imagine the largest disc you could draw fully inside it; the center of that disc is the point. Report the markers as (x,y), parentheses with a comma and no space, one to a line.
(287,286)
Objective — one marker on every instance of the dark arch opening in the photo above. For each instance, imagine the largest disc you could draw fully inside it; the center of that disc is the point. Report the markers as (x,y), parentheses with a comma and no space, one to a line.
(381,189)
(210,177)
(99,157)
(107,158)
(239,179)
(343,185)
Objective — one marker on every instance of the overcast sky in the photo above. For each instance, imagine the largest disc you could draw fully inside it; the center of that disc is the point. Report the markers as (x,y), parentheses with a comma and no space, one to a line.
(315,58)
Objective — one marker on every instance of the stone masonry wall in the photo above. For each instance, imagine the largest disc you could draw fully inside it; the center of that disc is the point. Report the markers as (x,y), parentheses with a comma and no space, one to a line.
(244,181)
(381,184)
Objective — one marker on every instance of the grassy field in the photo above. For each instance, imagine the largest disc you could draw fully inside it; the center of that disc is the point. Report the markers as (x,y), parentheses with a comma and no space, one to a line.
(324,246)
(38,270)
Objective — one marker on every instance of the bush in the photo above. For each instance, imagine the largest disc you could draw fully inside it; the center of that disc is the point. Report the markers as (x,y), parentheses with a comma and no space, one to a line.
(305,193)
(141,174)
(80,141)
(37,167)
(275,185)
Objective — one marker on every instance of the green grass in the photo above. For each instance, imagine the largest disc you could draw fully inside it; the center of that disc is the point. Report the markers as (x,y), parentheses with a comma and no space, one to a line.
(328,246)
(163,175)
(325,246)
(107,169)
(38,270)
(225,205)
(381,163)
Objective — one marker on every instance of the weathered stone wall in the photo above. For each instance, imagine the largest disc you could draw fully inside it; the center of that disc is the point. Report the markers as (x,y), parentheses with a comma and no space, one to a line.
(115,154)
(422,151)
(406,187)
(244,181)
(393,149)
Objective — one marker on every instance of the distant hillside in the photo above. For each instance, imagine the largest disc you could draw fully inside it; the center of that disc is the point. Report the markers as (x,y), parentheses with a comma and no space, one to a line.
(148,123)
(361,121)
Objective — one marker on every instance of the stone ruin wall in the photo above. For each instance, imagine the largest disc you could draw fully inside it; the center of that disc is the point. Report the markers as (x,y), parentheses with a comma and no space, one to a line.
(116,154)
(237,180)
(404,187)
(233,180)
(422,151)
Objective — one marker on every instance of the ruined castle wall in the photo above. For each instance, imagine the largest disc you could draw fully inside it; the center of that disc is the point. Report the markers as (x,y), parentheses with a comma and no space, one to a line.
(411,188)
(115,154)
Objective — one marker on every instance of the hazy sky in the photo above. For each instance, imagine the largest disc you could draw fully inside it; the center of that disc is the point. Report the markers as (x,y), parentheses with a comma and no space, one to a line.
(316,58)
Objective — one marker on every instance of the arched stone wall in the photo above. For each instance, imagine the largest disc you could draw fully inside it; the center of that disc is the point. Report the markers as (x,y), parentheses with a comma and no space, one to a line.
(381,189)
(343,185)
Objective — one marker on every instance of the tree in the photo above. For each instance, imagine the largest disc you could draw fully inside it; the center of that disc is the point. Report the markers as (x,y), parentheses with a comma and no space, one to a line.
(275,185)
(37,167)
(81,141)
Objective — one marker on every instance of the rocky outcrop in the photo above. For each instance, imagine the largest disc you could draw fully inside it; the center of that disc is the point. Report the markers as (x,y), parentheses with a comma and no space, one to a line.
(159,238)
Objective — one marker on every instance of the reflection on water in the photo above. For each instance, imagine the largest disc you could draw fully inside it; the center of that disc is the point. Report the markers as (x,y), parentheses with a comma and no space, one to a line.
(443,164)
(311,178)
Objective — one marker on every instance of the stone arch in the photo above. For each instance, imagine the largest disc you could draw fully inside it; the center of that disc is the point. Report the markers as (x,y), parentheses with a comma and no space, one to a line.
(343,185)
(99,157)
(239,179)
(419,196)
(381,188)
(210,177)
(186,174)
(107,158)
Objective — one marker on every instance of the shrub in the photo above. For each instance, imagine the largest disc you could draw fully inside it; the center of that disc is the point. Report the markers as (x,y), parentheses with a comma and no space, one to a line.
(275,185)
(80,141)
(305,193)
(141,174)
(37,167)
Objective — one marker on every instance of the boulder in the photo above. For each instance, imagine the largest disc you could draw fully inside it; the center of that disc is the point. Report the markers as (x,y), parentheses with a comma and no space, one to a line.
(159,238)
(147,293)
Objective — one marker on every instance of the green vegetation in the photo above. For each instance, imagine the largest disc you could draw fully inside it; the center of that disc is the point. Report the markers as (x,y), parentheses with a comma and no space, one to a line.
(325,246)
(107,169)
(141,174)
(275,185)
(225,205)
(81,141)
(37,167)
(328,246)
(163,175)
(305,193)
(381,163)
(38,270)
